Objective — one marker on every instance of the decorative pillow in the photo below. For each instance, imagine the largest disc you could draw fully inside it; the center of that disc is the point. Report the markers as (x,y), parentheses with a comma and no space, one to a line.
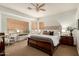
(51,32)
(46,33)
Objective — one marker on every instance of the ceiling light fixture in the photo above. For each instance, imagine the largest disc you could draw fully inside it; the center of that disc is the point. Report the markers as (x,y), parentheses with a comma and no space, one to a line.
(37,6)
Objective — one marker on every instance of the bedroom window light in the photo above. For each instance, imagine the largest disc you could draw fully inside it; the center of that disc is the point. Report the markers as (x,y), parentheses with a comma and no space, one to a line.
(17,30)
(63,30)
(36,30)
(39,30)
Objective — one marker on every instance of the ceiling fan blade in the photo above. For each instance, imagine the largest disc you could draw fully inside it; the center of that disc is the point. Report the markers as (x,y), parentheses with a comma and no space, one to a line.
(43,9)
(29,8)
(33,4)
(37,4)
(41,5)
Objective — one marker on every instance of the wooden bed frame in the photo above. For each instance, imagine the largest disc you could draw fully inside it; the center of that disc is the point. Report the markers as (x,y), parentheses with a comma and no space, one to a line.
(46,46)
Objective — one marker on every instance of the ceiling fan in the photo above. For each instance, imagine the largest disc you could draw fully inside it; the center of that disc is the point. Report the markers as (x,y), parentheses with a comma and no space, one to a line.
(37,6)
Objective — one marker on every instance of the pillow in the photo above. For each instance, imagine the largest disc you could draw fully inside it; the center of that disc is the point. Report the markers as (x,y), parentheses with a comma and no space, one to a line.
(46,33)
(51,32)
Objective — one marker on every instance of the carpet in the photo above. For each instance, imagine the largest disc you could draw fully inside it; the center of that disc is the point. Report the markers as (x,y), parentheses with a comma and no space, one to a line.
(22,49)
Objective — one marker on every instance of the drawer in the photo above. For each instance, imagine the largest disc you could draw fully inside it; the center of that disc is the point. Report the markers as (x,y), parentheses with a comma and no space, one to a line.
(67,40)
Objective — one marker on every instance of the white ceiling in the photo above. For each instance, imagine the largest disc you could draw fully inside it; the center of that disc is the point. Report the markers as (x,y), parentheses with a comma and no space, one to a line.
(52,8)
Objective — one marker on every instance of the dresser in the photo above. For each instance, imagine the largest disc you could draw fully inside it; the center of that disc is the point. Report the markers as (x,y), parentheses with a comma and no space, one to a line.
(2,45)
(67,40)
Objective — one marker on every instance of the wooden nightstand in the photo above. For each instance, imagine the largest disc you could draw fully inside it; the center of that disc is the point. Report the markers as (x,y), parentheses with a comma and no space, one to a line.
(67,40)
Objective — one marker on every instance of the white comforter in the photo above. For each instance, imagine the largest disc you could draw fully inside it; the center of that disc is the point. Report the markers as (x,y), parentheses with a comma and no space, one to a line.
(54,38)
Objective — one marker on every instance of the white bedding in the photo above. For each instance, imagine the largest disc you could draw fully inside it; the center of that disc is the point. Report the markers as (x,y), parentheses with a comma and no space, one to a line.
(55,38)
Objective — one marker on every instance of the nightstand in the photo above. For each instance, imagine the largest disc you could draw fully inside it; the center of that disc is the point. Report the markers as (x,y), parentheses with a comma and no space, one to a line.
(67,40)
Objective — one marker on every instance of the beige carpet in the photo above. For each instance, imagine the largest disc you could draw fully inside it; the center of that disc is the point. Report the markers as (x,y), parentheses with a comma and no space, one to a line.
(64,50)
(21,49)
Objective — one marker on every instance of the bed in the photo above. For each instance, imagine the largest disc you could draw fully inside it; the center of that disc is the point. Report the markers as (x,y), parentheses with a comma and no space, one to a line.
(45,43)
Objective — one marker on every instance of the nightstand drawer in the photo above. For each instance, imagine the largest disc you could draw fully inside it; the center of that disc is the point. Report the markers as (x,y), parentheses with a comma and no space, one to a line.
(67,40)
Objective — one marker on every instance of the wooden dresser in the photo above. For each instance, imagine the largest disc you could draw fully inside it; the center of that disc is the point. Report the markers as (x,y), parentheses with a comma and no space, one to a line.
(67,40)
(2,45)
